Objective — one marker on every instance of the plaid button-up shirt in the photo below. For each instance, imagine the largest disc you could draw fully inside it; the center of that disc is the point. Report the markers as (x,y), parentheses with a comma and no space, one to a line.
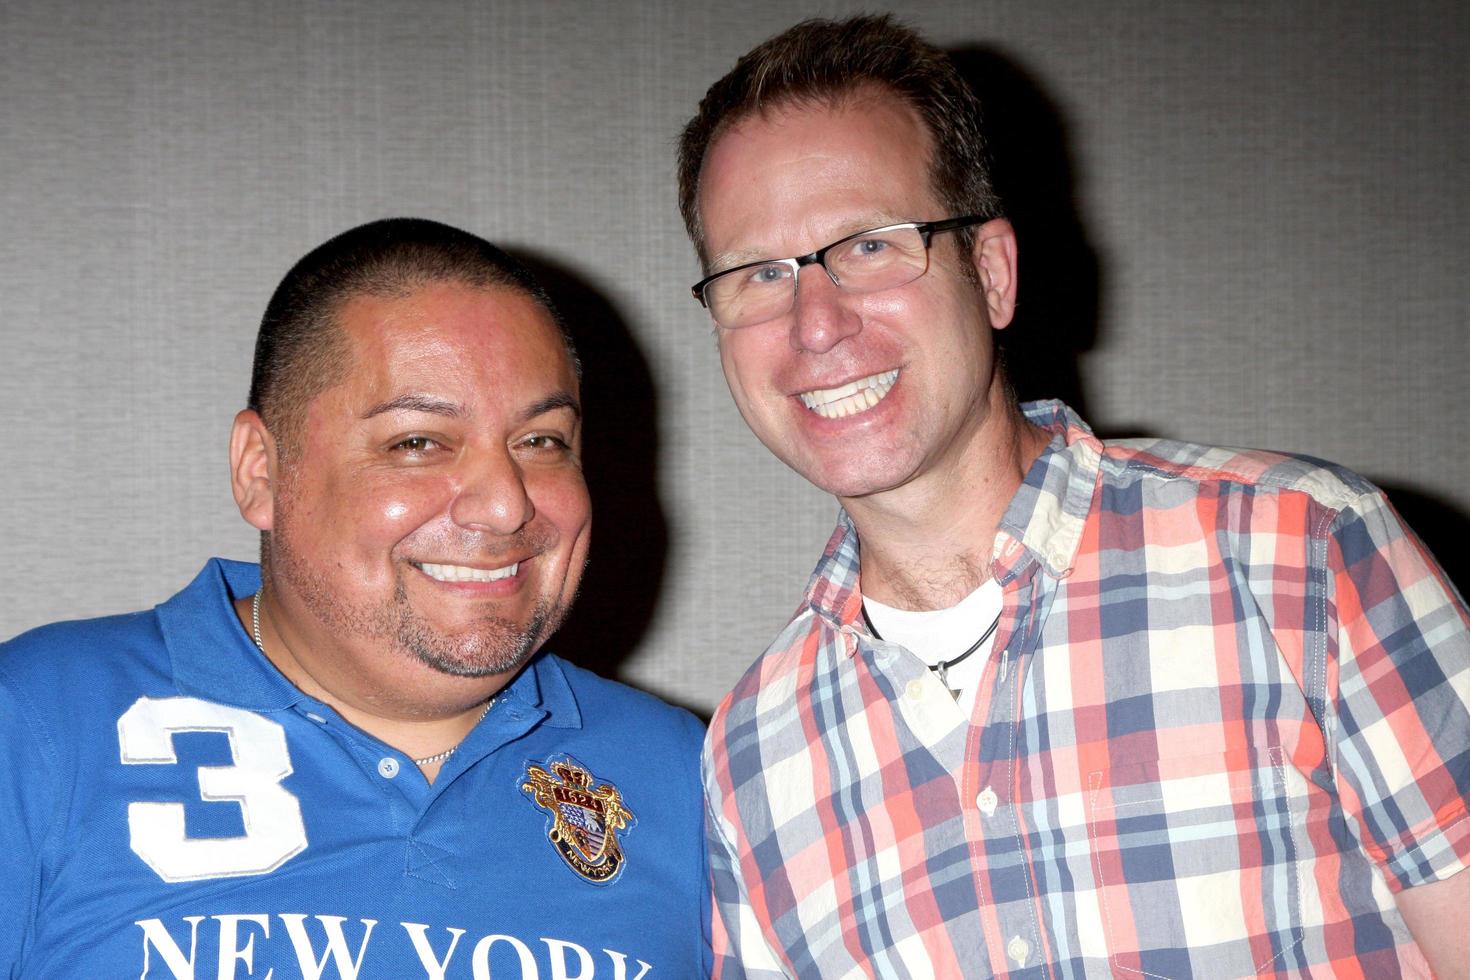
(1225,719)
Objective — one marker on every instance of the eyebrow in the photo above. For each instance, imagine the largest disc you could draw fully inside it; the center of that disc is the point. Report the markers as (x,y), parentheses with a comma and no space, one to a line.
(417,403)
(453,410)
(726,261)
(552,402)
(749,256)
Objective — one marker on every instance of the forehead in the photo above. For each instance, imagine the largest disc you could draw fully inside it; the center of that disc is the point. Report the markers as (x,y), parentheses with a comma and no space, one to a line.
(819,171)
(470,343)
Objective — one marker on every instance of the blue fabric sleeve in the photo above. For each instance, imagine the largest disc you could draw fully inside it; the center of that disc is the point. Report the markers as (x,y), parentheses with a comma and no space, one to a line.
(28,772)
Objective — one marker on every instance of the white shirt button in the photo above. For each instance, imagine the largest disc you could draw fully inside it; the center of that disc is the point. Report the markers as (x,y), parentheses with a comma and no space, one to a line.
(316,718)
(987,801)
(1018,949)
(387,767)
(915,690)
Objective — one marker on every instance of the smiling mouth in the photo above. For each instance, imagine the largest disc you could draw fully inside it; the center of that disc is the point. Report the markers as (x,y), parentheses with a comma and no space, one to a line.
(464,573)
(851,398)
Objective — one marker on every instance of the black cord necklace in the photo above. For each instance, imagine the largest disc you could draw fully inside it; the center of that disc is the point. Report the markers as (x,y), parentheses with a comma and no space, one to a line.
(942,668)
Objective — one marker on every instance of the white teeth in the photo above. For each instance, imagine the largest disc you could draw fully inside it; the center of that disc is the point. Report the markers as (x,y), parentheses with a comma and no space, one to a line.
(463,573)
(851,398)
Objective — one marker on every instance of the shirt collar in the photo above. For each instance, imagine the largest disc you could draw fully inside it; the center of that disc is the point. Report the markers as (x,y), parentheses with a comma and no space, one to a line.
(1043,521)
(543,687)
(1049,510)
(215,658)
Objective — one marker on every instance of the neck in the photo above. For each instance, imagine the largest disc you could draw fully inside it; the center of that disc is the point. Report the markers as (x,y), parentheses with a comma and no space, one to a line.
(438,715)
(929,543)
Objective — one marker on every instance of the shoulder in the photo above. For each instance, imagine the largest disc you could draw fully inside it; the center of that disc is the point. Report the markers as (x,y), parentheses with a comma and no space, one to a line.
(86,649)
(766,697)
(649,749)
(614,709)
(1218,467)
(63,684)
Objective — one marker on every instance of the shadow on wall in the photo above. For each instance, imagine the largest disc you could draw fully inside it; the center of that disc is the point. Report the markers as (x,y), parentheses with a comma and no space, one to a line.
(630,538)
(1057,317)
(1062,277)
(1443,528)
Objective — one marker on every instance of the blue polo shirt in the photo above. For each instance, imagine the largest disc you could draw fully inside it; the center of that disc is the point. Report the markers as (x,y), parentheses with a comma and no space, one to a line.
(171,806)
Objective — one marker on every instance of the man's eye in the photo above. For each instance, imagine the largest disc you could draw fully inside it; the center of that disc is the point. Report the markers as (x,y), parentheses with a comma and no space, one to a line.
(864,247)
(544,441)
(763,274)
(415,444)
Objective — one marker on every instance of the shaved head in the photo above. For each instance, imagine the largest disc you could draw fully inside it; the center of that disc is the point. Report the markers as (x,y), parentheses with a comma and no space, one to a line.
(300,352)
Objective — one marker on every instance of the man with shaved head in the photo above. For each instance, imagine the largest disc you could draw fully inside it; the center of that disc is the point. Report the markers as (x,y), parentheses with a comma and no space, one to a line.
(1050,706)
(356,760)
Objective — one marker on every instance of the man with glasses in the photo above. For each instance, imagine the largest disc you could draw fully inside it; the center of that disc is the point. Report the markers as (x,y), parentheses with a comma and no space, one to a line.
(1050,707)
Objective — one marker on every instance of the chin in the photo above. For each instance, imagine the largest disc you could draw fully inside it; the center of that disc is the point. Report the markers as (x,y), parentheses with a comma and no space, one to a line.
(493,645)
(854,479)
(850,487)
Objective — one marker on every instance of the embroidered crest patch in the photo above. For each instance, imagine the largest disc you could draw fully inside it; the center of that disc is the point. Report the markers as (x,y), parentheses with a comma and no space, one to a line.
(585,822)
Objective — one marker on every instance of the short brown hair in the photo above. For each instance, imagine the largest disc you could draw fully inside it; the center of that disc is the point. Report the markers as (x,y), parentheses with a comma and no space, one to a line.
(823,61)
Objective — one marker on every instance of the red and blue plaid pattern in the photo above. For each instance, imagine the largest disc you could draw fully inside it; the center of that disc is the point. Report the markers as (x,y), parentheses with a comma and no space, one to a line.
(1226,718)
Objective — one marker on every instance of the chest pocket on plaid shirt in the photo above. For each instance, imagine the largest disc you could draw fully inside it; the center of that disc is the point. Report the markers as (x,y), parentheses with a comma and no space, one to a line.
(1195,861)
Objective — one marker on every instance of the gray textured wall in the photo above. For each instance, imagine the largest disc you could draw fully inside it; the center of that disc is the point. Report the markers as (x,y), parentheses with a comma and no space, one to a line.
(1241,223)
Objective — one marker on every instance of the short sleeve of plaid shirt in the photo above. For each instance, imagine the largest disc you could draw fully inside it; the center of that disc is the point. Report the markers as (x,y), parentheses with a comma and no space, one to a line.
(1401,690)
(1226,718)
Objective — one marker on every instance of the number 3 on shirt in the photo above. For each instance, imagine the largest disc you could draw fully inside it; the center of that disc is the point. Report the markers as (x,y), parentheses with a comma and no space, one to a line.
(274,831)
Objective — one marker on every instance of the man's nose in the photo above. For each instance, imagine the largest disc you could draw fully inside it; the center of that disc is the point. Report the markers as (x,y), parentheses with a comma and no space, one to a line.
(821,315)
(492,496)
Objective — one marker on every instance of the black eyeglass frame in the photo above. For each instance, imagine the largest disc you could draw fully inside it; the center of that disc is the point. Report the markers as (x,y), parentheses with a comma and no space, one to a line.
(926,229)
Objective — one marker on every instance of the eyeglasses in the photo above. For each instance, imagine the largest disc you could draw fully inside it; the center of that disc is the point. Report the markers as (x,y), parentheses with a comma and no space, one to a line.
(863,263)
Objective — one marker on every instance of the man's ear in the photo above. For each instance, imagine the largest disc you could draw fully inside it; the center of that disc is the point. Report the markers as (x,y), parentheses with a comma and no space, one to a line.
(994,256)
(253,468)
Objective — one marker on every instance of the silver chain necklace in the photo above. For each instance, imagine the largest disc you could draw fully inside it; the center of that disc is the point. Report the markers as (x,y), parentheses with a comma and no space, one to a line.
(427,760)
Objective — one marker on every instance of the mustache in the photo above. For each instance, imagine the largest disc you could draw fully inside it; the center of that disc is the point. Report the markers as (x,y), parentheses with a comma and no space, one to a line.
(466,547)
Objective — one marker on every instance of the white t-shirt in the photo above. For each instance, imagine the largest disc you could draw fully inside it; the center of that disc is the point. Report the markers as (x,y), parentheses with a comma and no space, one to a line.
(937,635)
